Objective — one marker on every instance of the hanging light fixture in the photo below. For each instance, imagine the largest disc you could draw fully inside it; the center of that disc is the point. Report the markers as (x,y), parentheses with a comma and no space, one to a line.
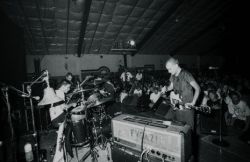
(124,46)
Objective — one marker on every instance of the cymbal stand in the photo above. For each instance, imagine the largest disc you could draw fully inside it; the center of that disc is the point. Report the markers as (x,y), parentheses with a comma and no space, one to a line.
(92,150)
(35,133)
(34,126)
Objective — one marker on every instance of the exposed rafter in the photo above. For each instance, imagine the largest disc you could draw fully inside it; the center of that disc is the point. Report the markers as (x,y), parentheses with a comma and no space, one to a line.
(96,26)
(86,7)
(42,26)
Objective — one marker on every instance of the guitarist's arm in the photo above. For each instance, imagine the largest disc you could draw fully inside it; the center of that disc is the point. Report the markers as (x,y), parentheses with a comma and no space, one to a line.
(68,106)
(167,88)
(197,90)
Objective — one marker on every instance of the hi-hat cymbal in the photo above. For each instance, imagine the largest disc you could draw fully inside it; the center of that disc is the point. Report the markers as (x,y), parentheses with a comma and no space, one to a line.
(79,91)
(100,102)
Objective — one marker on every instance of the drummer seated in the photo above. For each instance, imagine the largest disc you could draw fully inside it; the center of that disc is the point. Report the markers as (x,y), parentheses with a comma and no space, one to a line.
(57,113)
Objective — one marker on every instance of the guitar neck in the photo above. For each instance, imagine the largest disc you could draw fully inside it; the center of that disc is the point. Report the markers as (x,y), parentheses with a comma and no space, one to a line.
(205,109)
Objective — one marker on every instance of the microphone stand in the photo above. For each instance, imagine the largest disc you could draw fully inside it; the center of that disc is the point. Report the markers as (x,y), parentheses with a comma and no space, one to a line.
(23,94)
(6,95)
(219,141)
(35,133)
(36,146)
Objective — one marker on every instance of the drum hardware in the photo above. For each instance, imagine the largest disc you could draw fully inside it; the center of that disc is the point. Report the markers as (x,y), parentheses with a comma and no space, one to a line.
(5,90)
(80,91)
(87,122)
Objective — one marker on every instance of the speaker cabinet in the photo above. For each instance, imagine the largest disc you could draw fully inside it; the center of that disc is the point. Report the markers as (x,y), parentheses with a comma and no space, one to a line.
(210,123)
(162,107)
(125,154)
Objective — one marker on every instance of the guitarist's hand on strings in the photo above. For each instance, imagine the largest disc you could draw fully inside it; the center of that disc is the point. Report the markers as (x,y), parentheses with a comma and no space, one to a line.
(188,105)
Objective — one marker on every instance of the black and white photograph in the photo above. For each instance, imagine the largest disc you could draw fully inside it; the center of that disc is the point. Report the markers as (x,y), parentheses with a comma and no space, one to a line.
(124,81)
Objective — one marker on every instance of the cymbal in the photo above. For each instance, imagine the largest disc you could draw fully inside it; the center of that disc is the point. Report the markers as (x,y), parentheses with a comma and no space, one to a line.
(100,102)
(79,91)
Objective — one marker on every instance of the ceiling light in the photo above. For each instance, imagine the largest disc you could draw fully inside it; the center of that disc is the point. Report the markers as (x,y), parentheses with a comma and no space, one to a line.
(131,42)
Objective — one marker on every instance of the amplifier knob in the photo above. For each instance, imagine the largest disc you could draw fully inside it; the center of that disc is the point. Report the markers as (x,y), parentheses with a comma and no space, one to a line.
(158,153)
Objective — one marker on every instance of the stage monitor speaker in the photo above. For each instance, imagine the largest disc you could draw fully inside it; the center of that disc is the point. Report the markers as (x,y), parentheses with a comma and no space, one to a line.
(131,100)
(162,107)
(210,123)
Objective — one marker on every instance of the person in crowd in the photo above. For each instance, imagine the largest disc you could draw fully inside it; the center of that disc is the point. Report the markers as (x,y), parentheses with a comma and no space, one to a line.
(139,76)
(123,95)
(213,101)
(154,96)
(126,78)
(238,114)
(138,91)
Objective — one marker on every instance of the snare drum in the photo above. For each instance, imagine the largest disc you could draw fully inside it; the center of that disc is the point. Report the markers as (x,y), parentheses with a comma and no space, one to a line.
(78,114)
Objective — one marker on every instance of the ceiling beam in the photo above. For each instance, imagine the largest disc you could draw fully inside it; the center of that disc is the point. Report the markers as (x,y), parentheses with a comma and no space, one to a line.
(42,26)
(67,30)
(97,26)
(85,16)
(158,25)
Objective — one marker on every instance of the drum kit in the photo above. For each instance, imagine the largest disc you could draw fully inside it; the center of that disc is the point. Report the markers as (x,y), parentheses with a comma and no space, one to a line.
(88,120)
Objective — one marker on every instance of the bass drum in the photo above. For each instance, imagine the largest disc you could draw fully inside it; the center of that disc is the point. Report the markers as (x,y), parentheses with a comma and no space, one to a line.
(78,118)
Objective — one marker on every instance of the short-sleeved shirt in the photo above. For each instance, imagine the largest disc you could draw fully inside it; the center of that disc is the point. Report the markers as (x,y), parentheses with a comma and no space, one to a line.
(239,111)
(126,76)
(182,86)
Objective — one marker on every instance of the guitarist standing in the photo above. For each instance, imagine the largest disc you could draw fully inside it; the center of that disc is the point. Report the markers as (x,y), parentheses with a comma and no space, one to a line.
(183,83)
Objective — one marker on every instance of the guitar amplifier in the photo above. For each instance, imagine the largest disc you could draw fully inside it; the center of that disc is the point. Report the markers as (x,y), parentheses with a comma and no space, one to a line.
(156,138)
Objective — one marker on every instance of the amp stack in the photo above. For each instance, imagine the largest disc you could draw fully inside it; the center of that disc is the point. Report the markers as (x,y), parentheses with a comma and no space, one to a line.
(137,138)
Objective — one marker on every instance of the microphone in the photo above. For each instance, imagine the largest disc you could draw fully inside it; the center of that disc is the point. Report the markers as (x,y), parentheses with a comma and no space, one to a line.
(34,97)
(45,73)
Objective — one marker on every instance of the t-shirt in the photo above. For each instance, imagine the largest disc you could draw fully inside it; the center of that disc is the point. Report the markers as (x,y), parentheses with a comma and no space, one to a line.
(60,94)
(239,111)
(127,77)
(155,96)
(182,86)
(138,92)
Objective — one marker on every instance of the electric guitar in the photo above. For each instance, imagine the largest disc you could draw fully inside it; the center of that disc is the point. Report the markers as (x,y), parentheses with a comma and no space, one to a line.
(178,104)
